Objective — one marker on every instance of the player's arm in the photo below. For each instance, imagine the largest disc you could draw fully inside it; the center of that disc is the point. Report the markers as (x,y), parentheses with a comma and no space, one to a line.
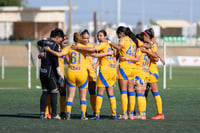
(144,50)
(123,58)
(162,60)
(86,49)
(67,58)
(56,64)
(118,47)
(132,59)
(48,49)
(146,45)
(99,55)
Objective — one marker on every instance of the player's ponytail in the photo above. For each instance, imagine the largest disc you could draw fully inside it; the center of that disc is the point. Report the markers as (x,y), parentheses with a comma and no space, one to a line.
(85,32)
(120,29)
(77,38)
(149,32)
(140,36)
(129,33)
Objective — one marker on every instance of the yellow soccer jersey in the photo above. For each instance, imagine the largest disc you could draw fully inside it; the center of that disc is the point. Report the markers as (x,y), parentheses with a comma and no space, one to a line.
(61,63)
(76,59)
(107,63)
(61,59)
(153,67)
(89,60)
(143,62)
(128,50)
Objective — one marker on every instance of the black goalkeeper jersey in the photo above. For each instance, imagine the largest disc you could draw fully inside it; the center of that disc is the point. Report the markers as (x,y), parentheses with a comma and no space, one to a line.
(49,62)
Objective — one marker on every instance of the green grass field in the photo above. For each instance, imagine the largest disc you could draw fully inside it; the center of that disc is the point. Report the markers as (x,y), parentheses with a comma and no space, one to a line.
(19,108)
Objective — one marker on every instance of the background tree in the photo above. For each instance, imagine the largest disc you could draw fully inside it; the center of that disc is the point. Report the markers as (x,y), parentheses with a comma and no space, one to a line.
(13,2)
(152,22)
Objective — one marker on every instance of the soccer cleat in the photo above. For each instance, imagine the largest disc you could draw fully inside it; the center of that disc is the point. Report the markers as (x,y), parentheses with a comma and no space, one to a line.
(84,118)
(123,117)
(97,117)
(141,117)
(132,117)
(114,117)
(48,116)
(63,115)
(158,117)
(68,117)
(57,117)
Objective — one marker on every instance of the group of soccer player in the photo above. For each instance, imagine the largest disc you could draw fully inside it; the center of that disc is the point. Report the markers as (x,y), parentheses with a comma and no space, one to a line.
(136,73)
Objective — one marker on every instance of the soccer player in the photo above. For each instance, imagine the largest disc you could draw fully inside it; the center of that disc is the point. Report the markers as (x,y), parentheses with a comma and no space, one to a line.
(153,77)
(107,73)
(62,85)
(76,67)
(142,74)
(91,71)
(127,70)
(49,74)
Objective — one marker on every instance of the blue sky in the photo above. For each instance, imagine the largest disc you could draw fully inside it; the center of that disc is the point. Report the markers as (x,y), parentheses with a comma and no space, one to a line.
(131,10)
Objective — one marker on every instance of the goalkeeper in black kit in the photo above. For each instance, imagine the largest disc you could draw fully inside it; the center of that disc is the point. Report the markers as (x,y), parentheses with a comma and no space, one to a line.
(50,73)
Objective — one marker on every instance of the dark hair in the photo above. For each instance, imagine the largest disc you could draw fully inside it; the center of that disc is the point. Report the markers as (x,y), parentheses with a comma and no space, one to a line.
(150,32)
(140,36)
(54,34)
(120,29)
(129,33)
(85,32)
(102,31)
(60,32)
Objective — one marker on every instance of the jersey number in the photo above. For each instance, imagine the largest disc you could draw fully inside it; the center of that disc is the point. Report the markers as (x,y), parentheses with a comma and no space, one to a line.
(109,57)
(75,57)
(131,52)
(146,61)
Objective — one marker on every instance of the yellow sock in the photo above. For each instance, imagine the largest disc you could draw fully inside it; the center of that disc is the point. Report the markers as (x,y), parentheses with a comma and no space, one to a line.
(62,103)
(48,105)
(99,100)
(69,107)
(112,100)
(141,103)
(124,102)
(131,103)
(144,105)
(158,101)
(83,104)
(92,99)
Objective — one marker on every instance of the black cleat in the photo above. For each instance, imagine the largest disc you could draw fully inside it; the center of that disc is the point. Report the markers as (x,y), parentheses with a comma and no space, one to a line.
(63,115)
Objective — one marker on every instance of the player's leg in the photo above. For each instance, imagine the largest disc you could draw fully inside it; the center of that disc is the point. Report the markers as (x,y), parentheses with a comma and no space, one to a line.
(48,107)
(99,100)
(82,83)
(123,85)
(141,101)
(54,96)
(158,100)
(92,92)
(69,102)
(147,91)
(43,97)
(112,99)
(83,102)
(131,99)
(62,91)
